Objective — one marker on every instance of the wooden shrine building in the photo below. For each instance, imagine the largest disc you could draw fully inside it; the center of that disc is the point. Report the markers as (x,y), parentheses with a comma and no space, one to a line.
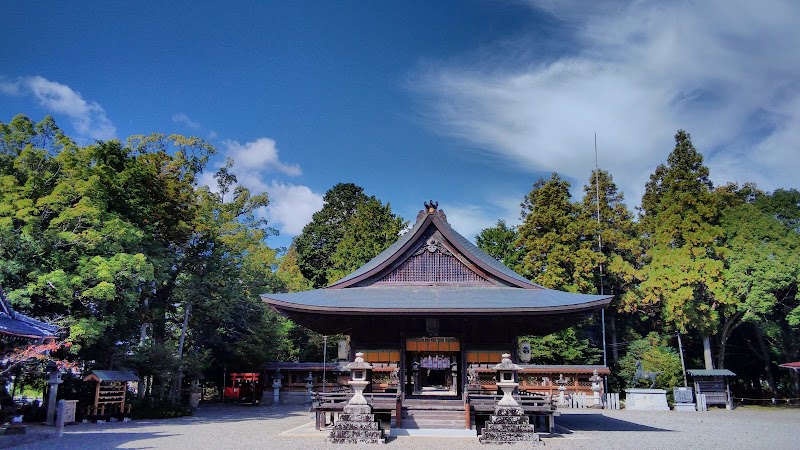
(434,309)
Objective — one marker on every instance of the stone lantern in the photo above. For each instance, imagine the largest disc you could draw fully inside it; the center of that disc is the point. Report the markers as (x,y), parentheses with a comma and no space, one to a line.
(596,386)
(310,385)
(562,386)
(358,378)
(507,370)
(276,387)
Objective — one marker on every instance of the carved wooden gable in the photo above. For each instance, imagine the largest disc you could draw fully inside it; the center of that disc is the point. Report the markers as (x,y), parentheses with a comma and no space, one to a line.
(433,261)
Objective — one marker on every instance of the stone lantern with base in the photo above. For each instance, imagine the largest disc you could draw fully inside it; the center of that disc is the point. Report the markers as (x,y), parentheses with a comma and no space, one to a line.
(562,387)
(596,386)
(310,386)
(357,424)
(509,424)
(276,387)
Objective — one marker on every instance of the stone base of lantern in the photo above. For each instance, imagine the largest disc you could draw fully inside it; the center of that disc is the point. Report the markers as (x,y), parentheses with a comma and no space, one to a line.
(357,425)
(509,425)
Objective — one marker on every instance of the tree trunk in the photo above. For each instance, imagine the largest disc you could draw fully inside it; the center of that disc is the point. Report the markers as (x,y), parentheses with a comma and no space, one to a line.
(707,352)
(176,389)
(728,326)
(764,354)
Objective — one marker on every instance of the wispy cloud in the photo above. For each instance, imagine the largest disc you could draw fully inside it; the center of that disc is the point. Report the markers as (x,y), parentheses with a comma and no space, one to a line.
(182,118)
(88,117)
(641,70)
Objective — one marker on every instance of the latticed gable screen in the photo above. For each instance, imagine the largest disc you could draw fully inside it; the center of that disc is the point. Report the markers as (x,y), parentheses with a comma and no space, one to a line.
(432,267)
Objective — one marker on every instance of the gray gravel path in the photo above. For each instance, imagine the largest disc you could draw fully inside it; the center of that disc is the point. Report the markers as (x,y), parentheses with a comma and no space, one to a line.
(289,427)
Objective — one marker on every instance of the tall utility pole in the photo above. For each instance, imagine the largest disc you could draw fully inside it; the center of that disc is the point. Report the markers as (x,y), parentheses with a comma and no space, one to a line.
(324,359)
(600,249)
(599,243)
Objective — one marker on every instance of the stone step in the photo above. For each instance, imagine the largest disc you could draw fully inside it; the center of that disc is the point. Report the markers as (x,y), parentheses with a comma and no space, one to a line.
(435,405)
(431,419)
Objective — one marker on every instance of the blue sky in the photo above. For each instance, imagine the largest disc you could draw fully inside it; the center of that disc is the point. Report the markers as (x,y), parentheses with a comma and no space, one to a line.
(466,103)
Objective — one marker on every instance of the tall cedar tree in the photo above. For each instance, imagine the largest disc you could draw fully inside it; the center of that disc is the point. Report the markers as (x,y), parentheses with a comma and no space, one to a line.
(619,243)
(548,234)
(683,275)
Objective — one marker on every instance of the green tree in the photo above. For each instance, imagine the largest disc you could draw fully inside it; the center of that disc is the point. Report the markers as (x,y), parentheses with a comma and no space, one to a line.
(370,230)
(553,256)
(500,242)
(319,239)
(683,276)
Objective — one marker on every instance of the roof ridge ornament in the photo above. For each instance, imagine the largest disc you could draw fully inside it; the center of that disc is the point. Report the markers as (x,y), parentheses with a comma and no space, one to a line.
(431,208)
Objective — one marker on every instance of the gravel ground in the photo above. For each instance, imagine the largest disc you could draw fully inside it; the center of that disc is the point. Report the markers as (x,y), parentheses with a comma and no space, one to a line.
(289,427)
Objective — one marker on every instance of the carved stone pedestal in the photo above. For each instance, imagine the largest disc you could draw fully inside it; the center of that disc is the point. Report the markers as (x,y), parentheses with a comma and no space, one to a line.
(357,425)
(509,425)
(646,399)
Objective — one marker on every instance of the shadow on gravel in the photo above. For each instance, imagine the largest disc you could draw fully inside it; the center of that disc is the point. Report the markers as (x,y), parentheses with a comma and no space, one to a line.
(599,422)
(95,441)
(238,413)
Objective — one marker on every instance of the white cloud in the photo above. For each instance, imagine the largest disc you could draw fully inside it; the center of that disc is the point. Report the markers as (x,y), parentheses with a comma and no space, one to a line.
(185,120)
(641,70)
(259,155)
(88,118)
(291,206)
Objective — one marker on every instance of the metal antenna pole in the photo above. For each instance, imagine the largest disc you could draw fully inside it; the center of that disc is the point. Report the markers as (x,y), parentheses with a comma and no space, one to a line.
(324,359)
(599,243)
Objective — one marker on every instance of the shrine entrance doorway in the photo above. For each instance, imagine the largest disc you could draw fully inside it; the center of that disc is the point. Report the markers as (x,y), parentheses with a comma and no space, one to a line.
(433,366)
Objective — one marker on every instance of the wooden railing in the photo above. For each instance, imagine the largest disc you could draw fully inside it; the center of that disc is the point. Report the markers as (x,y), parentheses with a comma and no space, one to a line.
(534,405)
(324,403)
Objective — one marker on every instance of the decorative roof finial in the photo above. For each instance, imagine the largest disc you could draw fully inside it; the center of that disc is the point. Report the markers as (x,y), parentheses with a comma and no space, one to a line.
(431,206)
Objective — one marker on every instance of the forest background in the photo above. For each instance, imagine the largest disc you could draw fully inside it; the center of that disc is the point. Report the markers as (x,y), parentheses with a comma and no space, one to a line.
(144,269)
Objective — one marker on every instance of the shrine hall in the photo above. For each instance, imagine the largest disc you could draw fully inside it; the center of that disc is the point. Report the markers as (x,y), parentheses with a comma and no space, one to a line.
(432,311)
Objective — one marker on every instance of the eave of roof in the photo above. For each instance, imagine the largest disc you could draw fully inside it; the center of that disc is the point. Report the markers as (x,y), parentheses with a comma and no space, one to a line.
(441,299)
(23,326)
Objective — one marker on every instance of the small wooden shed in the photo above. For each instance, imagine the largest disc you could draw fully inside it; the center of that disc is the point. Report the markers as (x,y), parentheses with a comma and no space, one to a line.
(714,384)
(109,397)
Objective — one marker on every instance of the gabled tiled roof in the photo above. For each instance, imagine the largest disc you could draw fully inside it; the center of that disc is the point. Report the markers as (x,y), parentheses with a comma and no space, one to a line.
(435,220)
(507,293)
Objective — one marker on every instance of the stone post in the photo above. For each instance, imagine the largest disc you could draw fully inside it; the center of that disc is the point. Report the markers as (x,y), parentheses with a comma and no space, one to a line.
(62,407)
(53,381)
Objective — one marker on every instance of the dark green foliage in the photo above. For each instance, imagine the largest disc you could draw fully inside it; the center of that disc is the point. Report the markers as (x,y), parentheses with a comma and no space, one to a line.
(500,242)
(351,229)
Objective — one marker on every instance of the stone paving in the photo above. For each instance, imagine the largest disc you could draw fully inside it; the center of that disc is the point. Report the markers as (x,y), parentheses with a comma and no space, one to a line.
(291,427)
